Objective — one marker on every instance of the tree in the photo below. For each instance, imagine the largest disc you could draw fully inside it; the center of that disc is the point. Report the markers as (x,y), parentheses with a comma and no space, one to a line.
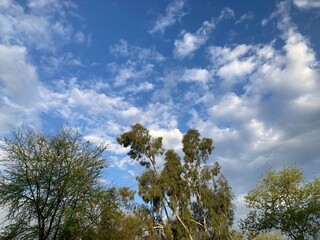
(50,184)
(187,199)
(209,192)
(285,201)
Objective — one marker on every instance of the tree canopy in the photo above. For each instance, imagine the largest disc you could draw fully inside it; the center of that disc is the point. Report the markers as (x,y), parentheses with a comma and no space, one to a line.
(50,184)
(187,199)
(285,201)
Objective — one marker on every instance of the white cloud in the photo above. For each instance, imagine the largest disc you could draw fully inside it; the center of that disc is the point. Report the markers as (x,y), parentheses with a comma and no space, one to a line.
(274,120)
(174,12)
(130,71)
(233,64)
(135,53)
(138,88)
(233,107)
(307,4)
(263,138)
(291,74)
(191,42)
(50,6)
(196,75)
(35,28)
(20,88)
(91,102)
(226,13)
(79,37)
(171,137)
(18,76)
(246,16)
(307,102)
(210,129)
(80,106)
(139,64)
(105,114)
(131,113)
(55,64)
(120,49)
(159,115)
(236,69)
(222,55)
(100,137)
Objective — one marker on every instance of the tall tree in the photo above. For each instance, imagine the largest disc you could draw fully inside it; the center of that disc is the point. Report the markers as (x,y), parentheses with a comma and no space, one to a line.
(192,195)
(50,184)
(145,149)
(209,191)
(285,201)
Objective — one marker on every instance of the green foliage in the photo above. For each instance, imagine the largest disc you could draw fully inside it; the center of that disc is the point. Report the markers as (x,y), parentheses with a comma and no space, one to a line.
(50,184)
(285,201)
(193,197)
(143,147)
(269,236)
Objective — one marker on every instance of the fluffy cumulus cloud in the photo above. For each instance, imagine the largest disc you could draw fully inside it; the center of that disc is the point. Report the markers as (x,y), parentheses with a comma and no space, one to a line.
(232,64)
(274,120)
(189,42)
(236,69)
(232,106)
(20,88)
(171,137)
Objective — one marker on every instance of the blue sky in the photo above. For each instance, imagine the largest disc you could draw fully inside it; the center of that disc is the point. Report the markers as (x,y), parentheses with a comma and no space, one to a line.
(244,73)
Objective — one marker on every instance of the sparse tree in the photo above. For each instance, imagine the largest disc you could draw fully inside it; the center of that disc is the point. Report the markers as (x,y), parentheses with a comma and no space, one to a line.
(50,184)
(285,201)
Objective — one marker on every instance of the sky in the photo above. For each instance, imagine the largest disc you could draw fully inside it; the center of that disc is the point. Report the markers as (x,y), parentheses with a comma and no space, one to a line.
(244,73)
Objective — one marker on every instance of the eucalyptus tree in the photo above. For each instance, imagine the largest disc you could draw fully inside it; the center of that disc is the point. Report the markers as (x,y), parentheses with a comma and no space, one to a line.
(188,198)
(50,184)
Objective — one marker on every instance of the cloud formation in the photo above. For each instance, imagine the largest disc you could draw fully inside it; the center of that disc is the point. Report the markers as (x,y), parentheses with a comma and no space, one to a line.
(191,42)
(196,75)
(174,12)
(275,115)
(33,25)
(20,88)
(307,4)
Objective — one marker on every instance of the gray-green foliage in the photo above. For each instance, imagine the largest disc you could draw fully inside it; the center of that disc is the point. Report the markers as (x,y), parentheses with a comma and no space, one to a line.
(285,201)
(50,184)
(194,196)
